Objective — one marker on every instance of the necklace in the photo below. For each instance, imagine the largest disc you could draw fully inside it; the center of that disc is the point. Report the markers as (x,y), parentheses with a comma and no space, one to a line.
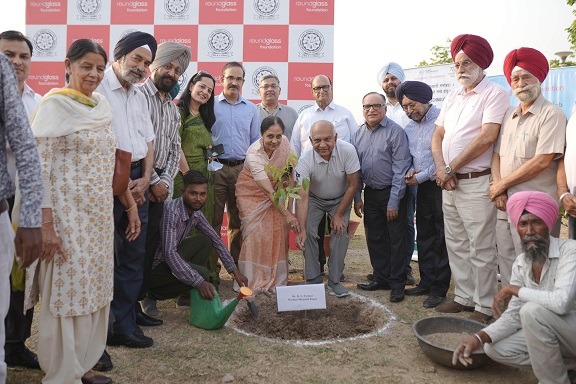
(193,113)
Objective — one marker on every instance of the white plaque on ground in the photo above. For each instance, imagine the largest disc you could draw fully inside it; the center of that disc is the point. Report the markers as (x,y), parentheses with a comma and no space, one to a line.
(301,297)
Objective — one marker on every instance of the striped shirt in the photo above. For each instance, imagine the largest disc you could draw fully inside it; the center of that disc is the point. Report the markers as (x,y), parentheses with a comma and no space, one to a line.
(420,144)
(166,121)
(175,225)
(556,291)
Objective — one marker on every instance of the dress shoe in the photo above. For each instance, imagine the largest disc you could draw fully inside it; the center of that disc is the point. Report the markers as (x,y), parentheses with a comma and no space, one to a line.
(147,321)
(149,307)
(417,291)
(453,307)
(373,286)
(93,378)
(410,279)
(130,341)
(104,364)
(433,301)
(370,276)
(183,301)
(480,317)
(397,295)
(138,330)
(22,358)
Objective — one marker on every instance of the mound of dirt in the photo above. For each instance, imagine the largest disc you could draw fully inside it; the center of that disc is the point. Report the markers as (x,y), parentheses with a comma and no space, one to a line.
(343,318)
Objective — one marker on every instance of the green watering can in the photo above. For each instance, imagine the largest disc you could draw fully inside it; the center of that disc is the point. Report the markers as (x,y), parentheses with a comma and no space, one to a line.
(210,314)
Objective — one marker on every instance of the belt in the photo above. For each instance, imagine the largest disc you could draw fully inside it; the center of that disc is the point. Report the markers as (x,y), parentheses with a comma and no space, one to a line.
(135,164)
(231,163)
(3,206)
(473,175)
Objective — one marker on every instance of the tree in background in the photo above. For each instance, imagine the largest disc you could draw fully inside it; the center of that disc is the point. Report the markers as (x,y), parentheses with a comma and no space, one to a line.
(571,39)
(440,54)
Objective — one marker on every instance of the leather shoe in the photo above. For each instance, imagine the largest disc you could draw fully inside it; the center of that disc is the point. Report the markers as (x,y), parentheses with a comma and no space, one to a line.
(453,307)
(410,279)
(370,276)
(23,358)
(417,291)
(93,378)
(147,321)
(104,364)
(373,286)
(480,317)
(397,295)
(130,341)
(433,301)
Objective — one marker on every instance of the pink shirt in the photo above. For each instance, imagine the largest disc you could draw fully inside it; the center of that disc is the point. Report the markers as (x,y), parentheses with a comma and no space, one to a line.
(462,116)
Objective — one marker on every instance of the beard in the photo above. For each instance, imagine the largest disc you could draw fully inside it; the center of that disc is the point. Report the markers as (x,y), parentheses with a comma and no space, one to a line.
(194,206)
(536,252)
(390,92)
(530,95)
(466,80)
(165,83)
(126,73)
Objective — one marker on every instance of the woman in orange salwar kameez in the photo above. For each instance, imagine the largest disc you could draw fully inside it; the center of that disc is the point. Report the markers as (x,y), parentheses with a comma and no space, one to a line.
(265,227)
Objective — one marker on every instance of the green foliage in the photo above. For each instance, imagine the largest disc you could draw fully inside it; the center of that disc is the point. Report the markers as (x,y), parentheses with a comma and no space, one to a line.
(284,187)
(440,55)
(571,39)
(557,63)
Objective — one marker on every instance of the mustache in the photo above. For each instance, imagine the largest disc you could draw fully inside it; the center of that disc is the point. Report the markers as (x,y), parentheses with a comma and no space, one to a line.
(137,72)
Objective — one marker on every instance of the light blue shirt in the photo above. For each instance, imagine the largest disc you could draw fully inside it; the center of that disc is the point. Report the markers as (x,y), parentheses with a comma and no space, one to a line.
(420,144)
(237,126)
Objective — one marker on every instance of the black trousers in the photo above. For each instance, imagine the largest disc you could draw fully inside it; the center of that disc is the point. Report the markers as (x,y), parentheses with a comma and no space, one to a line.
(155,212)
(17,323)
(432,254)
(386,239)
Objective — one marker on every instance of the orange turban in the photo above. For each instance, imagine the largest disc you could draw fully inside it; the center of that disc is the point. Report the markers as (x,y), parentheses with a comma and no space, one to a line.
(475,47)
(529,60)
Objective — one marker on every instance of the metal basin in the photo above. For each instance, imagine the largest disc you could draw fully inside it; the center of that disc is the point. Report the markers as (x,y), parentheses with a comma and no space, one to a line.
(445,324)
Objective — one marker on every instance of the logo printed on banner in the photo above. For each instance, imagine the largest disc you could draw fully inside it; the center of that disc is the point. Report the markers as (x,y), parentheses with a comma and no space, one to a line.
(220,43)
(45,42)
(266,9)
(127,32)
(177,9)
(89,9)
(258,73)
(311,43)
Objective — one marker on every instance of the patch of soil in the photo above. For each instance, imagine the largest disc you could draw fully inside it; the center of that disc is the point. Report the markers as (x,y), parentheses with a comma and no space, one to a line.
(343,318)
(450,340)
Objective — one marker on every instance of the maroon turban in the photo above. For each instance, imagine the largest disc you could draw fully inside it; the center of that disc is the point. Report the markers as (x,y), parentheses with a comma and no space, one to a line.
(475,47)
(537,203)
(529,60)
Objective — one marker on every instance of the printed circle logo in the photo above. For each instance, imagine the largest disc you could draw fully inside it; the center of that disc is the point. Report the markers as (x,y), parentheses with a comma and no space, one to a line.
(311,41)
(89,7)
(182,81)
(176,7)
(304,107)
(45,40)
(258,73)
(127,32)
(220,41)
(266,7)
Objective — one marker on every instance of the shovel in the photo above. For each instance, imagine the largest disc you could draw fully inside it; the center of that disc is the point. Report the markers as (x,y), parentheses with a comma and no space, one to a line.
(251,305)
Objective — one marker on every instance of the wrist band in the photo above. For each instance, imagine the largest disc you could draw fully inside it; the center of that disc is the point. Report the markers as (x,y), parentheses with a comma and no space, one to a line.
(563,195)
(131,208)
(479,339)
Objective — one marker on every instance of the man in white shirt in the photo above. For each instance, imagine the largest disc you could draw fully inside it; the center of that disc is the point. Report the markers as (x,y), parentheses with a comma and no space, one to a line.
(538,329)
(16,47)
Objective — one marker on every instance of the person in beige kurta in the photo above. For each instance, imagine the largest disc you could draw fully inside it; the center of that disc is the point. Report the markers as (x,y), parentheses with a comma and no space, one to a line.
(74,275)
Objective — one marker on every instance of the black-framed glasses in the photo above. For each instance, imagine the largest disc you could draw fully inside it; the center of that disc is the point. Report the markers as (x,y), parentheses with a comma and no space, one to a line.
(325,88)
(204,73)
(375,107)
(233,78)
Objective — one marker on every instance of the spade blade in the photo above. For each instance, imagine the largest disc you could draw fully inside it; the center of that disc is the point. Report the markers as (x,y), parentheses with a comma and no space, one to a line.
(253,308)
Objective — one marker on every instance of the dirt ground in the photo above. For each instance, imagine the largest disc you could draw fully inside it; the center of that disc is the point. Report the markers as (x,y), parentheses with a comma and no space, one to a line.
(183,354)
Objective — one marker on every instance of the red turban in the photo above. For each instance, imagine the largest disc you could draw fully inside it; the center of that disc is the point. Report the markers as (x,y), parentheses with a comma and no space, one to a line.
(529,60)
(537,203)
(475,47)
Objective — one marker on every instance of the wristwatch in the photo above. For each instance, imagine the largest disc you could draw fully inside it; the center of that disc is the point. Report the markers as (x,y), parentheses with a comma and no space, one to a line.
(448,170)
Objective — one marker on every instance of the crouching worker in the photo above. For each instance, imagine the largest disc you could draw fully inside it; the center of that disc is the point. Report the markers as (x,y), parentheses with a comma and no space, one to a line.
(538,329)
(180,263)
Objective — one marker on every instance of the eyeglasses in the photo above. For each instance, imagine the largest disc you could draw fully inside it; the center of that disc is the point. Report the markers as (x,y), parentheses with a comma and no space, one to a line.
(325,88)
(269,86)
(375,107)
(464,64)
(233,78)
(169,67)
(411,106)
(203,73)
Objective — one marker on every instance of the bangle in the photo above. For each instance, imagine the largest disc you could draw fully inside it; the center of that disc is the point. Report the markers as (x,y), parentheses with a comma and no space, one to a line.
(563,195)
(131,208)
(479,339)
(47,222)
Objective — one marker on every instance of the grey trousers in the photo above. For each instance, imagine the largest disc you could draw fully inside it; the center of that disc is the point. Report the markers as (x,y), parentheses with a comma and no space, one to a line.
(317,208)
(546,342)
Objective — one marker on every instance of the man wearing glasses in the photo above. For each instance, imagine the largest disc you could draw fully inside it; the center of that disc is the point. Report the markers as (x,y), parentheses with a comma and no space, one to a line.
(462,147)
(237,126)
(269,88)
(384,159)
(344,123)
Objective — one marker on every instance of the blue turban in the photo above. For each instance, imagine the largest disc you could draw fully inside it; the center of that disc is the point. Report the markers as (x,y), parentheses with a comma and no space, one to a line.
(414,90)
(393,69)
(132,41)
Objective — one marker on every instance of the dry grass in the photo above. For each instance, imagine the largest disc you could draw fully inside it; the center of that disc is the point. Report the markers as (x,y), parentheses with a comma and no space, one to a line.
(184,354)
